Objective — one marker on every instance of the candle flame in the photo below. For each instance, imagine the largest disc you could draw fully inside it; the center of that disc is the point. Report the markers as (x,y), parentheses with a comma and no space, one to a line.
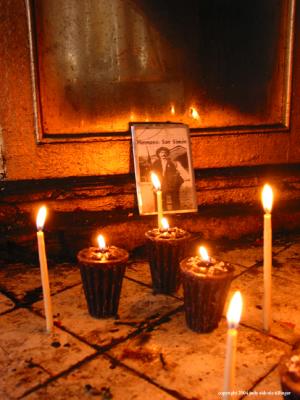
(267,198)
(155,181)
(203,253)
(194,113)
(164,224)
(172,109)
(41,218)
(101,242)
(235,310)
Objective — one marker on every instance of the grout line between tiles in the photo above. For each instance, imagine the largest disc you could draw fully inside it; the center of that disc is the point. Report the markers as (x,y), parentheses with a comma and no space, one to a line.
(103,351)
(23,304)
(61,374)
(8,311)
(143,327)
(171,392)
(258,381)
(174,296)
(266,334)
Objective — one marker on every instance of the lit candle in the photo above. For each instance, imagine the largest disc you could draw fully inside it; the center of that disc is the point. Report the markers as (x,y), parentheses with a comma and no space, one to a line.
(102,247)
(267,200)
(166,247)
(194,113)
(164,227)
(164,224)
(204,254)
(233,319)
(41,217)
(101,243)
(102,270)
(157,187)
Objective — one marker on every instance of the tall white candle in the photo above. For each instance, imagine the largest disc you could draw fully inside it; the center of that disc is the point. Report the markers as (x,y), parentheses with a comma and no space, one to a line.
(267,200)
(157,187)
(41,217)
(233,319)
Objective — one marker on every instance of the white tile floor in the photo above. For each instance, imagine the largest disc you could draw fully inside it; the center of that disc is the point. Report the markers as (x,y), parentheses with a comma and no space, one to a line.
(148,352)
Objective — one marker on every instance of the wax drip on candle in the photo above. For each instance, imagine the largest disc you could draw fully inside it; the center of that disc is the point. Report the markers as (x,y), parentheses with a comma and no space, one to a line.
(204,265)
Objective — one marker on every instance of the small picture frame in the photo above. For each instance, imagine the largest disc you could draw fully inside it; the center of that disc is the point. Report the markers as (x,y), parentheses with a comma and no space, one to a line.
(165,150)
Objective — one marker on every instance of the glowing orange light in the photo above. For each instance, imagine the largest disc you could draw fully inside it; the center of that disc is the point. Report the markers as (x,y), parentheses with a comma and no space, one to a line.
(155,181)
(235,310)
(267,198)
(194,113)
(101,242)
(164,224)
(41,218)
(203,253)
(172,109)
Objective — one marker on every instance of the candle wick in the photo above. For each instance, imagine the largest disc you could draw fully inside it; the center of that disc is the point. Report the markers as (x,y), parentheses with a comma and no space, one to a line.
(232,325)
(164,229)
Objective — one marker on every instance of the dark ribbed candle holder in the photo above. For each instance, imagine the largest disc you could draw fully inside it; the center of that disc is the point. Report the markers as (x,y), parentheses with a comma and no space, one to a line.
(164,255)
(102,279)
(289,372)
(204,298)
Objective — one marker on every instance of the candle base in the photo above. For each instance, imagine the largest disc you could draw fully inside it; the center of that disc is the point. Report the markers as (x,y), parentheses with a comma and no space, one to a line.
(164,256)
(204,297)
(102,280)
(267,330)
(289,372)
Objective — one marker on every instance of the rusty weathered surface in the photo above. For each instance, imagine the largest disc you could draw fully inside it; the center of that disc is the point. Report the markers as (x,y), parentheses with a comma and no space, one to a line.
(236,186)
(85,357)
(99,60)
(229,207)
(26,160)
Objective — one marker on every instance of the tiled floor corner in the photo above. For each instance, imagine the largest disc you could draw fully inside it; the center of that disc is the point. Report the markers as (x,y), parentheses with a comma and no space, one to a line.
(5,304)
(147,351)
(30,356)
(138,307)
(100,379)
(191,363)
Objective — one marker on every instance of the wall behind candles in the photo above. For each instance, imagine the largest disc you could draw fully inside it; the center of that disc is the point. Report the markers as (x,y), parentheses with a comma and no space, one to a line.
(95,155)
(95,172)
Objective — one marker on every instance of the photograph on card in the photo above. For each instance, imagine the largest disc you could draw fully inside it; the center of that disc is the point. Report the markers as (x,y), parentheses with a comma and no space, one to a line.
(163,150)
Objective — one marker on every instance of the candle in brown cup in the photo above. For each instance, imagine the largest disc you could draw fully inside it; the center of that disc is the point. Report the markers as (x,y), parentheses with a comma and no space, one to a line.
(289,372)
(206,284)
(166,248)
(102,270)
